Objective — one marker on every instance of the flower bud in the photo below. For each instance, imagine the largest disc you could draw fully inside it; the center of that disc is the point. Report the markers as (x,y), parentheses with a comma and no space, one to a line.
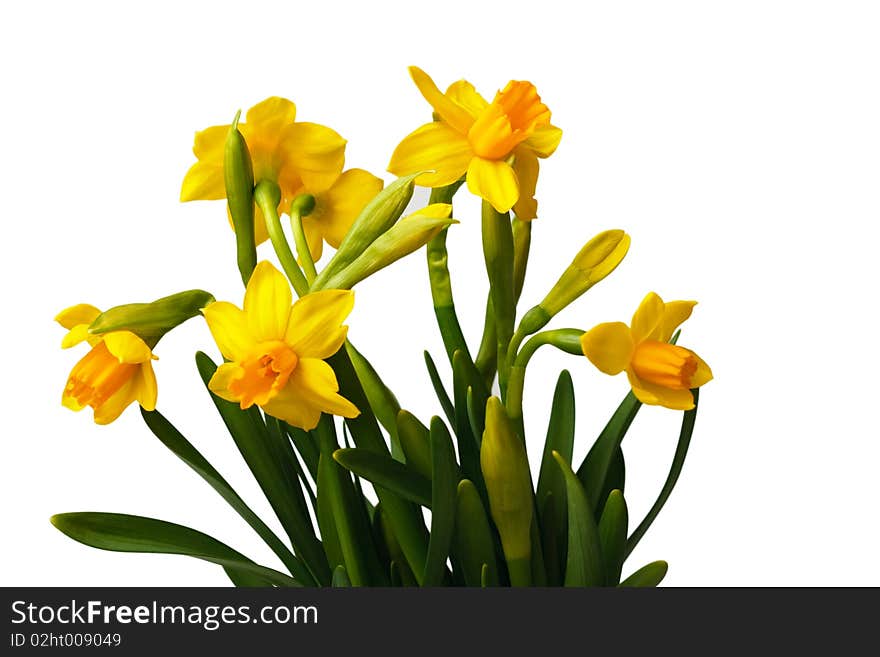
(598,258)
(238,176)
(407,235)
(378,216)
(150,321)
(505,467)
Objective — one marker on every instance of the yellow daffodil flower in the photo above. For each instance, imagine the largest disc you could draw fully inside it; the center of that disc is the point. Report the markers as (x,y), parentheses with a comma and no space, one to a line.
(497,144)
(302,158)
(276,350)
(659,373)
(116,371)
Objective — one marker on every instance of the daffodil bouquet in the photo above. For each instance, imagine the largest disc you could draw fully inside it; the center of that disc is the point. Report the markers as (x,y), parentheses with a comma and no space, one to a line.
(447,500)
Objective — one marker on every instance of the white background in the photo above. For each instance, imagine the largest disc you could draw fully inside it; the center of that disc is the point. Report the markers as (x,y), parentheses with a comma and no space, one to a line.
(738,143)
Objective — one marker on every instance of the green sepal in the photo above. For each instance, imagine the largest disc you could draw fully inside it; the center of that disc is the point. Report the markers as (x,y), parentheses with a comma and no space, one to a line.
(125,533)
(647,576)
(384,471)
(444,483)
(584,560)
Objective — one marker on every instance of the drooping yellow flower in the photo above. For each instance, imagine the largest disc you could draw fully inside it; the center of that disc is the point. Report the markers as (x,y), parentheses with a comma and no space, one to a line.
(659,373)
(114,373)
(302,158)
(497,144)
(276,349)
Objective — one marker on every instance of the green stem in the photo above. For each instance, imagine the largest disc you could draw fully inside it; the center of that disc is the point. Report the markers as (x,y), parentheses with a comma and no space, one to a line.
(520,571)
(267,196)
(498,253)
(302,245)
(487,356)
(441,286)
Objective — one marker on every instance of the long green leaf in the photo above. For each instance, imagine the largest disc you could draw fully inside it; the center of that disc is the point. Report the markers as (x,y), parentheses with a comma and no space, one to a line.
(465,376)
(262,454)
(415,443)
(340,577)
(306,446)
(183,449)
(551,482)
(444,480)
(439,390)
(647,576)
(681,450)
(593,472)
(404,517)
(382,401)
(124,533)
(473,544)
(612,535)
(584,560)
(384,471)
(245,579)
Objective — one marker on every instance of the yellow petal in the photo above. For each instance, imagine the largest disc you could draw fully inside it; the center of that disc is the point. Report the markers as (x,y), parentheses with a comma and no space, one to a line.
(117,402)
(145,389)
(455,115)
(203,182)
(609,346)
(525,165)
(315,329)
(436,148)
(650,393)
(647,320)
(315,152)
(674,313)
(229,327)
(223,375)
(210,144)
(267,302)
(462,93)
(127,347)
(271,115)
(81,313)
(493,181)
(311,390)
(544,140)
(338,207)
(703,374)
(75,335)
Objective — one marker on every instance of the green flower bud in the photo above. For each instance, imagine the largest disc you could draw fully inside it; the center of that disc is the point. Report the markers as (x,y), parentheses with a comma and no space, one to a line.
(505,467)
(238,174)
(378,216)
(150,321)
(598,258)
(407,235)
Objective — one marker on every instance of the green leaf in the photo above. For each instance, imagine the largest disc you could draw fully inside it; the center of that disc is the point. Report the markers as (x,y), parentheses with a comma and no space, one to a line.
(340,577)
(584,561)
(414,442)
(401,574)
(551,482)
(444,480)
(183,449)
(473,543)
(442,396)
(306,446)
(594,471)
(245,579)
(124,533)
(386,472)
(681,450)
(349,515)
(612,536)
(465,376)
(382,401)
(647,576)
(262,454)
(325,510)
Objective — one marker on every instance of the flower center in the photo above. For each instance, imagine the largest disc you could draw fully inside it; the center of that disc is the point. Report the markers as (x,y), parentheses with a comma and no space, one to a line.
(664,364)
(508,121)
(264,373)
(97,377)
